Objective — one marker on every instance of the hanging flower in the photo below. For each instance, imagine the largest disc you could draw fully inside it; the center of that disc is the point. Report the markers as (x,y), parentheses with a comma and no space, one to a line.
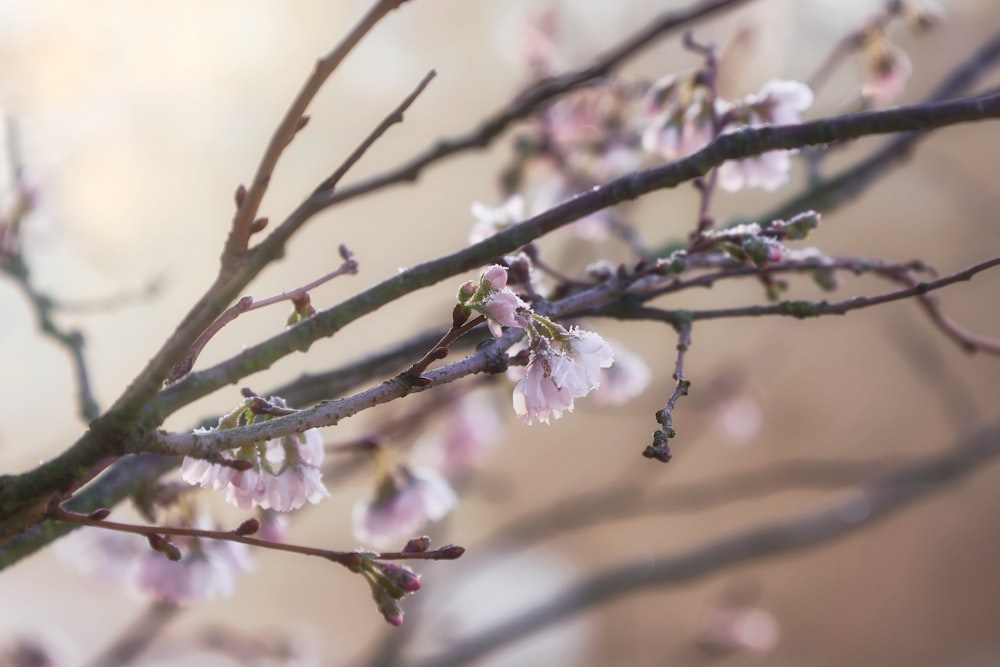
(284,474)
(887,69)
(563,365)
(489,221)
(470,432)
(625,379)
(207,569)
(405,501)
(777,103)
(682,115)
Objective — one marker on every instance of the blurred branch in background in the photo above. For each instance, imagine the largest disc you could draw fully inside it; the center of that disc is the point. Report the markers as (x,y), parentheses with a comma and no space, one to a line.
(867,505)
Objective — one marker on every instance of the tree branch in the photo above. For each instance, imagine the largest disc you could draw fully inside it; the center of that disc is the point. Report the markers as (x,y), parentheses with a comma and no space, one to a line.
(869,505)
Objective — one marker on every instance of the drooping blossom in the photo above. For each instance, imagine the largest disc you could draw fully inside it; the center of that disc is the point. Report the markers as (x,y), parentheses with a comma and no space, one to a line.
(730,628)
(777,103)
(563,365)
(681,111)
(469,432)
(405,501)
(285,473)
(887,69)
(207,568)
(489,221)
(738,419)
(623,380)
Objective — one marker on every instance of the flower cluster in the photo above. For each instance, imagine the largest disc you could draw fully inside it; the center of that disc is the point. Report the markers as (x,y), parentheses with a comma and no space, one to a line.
(281,474)
(563,364)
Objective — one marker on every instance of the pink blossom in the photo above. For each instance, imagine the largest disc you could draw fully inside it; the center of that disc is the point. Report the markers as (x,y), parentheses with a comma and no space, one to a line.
(469,433)
(737,628)
(560,371)
(777,103)
(625,379)
(495,276)
(888,70)
(489,221)
(402,507)
(491,297)
(207,570)
(504,308)
(738,419)
(286,474)
(683,116)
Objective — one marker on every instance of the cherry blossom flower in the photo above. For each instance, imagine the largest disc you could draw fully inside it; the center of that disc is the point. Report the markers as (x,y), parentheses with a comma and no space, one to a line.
(469,433)
(682,117)
(207,570)
(767,171)
(738,419)
(489,221)
(887,70)
(625,379)
(563,365)
(491,297)
(777,103)
(285,474)
(406,500)
(729,628)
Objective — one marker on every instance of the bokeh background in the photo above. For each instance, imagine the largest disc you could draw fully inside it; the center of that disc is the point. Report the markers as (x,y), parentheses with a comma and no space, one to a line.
(138,120)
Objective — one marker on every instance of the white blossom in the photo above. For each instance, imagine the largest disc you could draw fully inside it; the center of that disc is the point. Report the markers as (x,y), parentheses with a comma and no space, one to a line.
(558,372)
(489,221)
(285,474)
(469,433)
(777,103)
(623,380)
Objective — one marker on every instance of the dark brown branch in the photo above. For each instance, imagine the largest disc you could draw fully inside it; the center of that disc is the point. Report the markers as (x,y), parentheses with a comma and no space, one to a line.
(871,504)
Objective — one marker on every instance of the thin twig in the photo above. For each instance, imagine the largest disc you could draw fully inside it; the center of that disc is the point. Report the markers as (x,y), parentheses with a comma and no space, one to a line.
(797,309)
(14,264)
(660,449)
(246,304)
(396,116)
(291,123)
(348,559)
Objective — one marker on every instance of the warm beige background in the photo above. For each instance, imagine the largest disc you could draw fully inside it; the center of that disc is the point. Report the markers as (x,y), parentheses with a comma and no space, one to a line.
(140,119)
